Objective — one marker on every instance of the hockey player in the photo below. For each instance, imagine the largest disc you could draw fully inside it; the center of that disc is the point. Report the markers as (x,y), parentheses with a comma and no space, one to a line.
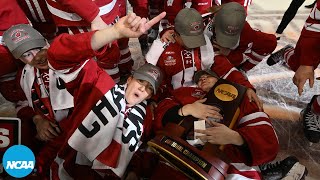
(74,17)
(124,121)
(120,108)
(245,144)
(190,52)
(140,7)
(233,37)
(303,60)
(251,142)
(40,17)
(11,14)
(44,91)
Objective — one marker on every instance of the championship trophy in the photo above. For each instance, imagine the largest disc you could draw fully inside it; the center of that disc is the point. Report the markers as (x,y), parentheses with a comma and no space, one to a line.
(207,161)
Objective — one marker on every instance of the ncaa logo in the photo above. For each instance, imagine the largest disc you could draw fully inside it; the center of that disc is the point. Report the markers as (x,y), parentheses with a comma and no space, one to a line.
(18,161)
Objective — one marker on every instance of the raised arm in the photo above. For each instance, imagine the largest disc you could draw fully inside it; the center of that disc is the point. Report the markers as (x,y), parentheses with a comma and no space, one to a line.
(130,26)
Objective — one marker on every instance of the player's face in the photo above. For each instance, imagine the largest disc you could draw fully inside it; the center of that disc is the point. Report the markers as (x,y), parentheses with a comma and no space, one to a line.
(137,90)
(178,39)
(36,58)
(206,82)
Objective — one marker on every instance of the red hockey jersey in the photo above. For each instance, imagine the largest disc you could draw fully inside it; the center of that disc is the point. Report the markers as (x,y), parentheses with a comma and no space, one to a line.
(102,133)
(179,64)
(82,12)
(253,125)
(40,17)
(253,46)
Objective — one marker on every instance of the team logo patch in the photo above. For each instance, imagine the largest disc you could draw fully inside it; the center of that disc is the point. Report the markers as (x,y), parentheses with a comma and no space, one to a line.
(154,73)
(169,2)
(232,30)
(170,61)
(196,27)
(19,35)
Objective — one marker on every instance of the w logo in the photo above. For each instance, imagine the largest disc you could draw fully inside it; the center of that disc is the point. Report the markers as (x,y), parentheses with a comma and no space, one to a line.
(169,2)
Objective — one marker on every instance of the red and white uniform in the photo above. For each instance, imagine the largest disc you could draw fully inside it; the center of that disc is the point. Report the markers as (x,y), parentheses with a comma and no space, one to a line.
(40,17)
(48,97)
(253,46)
(307,50)
(140,7)
(11,14)
(76,13)
(155,7)
(172,7)
(100,114)
(76,17)
(253,125)
(202,5)
(179,64)
(244,3)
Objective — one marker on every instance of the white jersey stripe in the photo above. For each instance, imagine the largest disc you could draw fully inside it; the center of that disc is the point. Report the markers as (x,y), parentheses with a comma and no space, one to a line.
(260,123)
(243,167)
(252,116)
(312,27)
(75,17)
(257,55)
(38,8)
(125,60)
(112,71)
(107,8)
(253,61)
(62,173)
(237,177)
(64,15)
(315,13)
(231,70)
(32,11)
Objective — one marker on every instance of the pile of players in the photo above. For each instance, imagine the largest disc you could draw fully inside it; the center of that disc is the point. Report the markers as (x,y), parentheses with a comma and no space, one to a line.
(68,68)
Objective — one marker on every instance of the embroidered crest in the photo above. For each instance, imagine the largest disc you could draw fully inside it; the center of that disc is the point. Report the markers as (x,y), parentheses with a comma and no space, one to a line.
(154,74)
(196,27)
(232,30)
(19,35)
(170,61)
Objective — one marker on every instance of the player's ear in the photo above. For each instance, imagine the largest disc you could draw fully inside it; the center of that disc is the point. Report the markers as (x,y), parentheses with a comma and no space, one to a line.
(129,79)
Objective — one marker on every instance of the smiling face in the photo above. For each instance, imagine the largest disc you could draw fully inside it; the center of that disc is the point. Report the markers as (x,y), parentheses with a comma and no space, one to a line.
(36,58)
(206,82)
(137,90)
